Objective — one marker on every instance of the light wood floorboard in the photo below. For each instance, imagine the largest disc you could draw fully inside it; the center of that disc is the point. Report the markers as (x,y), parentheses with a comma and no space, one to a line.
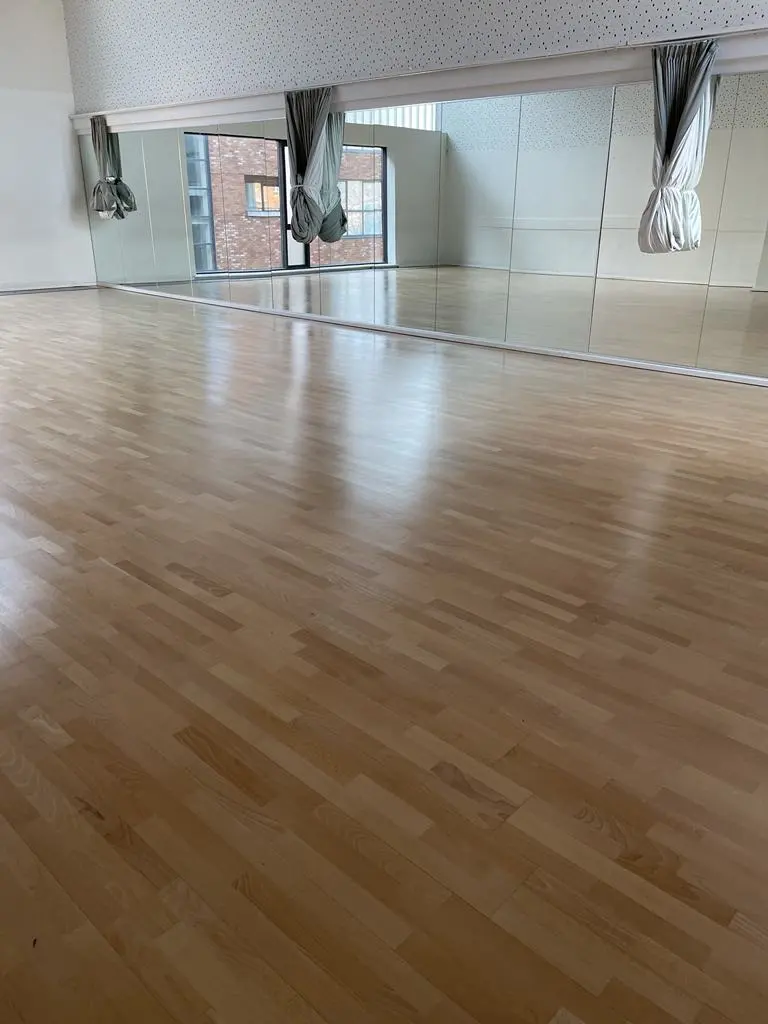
(351,678)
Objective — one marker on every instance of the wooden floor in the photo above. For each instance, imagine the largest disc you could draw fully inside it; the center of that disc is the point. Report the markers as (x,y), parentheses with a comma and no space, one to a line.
(357,679)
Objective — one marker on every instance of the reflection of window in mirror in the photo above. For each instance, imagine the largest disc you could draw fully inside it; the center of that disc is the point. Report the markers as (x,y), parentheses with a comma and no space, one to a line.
(362,202)
(262,196)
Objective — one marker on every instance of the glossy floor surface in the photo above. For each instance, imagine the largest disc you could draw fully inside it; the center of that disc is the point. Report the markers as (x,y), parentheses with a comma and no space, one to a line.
(718,328)
(351,678)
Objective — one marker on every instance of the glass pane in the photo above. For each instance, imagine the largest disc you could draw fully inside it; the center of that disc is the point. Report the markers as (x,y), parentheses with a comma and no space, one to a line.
(253,197)
(214,284)
(204,258)
(562,159)
(410,175)
(136,230)
(735,331)
(651,307)
(164,158)
(194,146)
(355,192)
(106,237)
(361,170)
(477,201)
(197,172)
(199,205)
(202,232)
(348,293)
(271,198)
(249,168)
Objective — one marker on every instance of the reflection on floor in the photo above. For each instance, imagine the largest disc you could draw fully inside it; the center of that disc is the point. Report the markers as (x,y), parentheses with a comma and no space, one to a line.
(352,678)
(717,328)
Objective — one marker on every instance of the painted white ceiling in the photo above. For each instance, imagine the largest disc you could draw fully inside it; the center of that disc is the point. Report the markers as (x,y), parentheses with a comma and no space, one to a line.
(133,53)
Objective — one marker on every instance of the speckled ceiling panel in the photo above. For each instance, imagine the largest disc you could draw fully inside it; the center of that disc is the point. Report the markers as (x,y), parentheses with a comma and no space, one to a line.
(127,53)
(742,102)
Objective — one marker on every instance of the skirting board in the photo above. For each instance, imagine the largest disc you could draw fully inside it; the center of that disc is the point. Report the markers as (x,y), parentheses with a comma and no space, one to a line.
(588,357)
(602,277)
(37,289)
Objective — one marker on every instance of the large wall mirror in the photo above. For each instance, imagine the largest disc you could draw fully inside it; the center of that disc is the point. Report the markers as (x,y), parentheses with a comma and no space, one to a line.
(510,220)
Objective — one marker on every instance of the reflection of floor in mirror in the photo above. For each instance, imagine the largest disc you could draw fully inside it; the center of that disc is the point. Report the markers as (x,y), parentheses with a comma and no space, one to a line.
(455,300)
(719,328)
(735,336)
(653,321)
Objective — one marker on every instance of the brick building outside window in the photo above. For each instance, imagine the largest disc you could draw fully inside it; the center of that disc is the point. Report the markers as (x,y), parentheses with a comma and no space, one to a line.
(245,208)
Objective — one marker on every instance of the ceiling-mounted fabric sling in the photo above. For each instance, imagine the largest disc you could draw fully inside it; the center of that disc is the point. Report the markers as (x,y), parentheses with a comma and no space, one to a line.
(684,93)
(111,197)
(315,143)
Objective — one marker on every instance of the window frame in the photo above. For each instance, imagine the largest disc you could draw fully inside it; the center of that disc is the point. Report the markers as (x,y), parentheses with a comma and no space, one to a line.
(202,158)
(383,181)
(270,181)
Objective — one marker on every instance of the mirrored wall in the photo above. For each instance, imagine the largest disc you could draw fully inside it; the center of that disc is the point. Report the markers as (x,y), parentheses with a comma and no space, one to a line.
(510,220)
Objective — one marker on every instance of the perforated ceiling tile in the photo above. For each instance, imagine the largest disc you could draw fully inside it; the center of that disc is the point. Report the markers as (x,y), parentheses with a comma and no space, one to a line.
(557,120)
(752,102)
(481,125)
(725,102)
(127,53)
(633,111)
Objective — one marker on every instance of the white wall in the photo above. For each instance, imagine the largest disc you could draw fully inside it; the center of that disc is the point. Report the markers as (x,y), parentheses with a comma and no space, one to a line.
(128,53)
(477,180)
(414,160)
(523,181)
(44,239)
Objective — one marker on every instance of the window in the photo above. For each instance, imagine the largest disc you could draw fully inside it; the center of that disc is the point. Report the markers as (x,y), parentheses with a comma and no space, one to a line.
(200,206)
(417,115)
(262,196)
(362,202)
(363,188)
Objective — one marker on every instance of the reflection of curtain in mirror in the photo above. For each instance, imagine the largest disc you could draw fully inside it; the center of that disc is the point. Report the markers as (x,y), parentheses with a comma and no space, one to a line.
(315,140)
(684,99)
(334,225)
(111,196)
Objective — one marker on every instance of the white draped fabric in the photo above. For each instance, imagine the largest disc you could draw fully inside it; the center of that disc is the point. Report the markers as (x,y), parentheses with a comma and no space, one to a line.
(684,92)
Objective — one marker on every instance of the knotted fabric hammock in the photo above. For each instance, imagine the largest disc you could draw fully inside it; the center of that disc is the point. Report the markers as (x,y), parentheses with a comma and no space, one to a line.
(111,197)
(315,144)
(684,92)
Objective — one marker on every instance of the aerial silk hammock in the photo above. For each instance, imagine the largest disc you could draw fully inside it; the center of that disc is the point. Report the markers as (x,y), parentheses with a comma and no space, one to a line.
(111,196)
(315,144)
(684,94)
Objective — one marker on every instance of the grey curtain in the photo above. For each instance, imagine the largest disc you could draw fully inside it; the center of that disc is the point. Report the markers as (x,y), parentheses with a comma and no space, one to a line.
(684,93)
(315,141)
(111,196)
(334,224)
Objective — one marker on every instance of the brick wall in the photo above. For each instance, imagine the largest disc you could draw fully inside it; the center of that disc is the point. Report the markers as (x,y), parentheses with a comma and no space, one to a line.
(242,242)
(246,242)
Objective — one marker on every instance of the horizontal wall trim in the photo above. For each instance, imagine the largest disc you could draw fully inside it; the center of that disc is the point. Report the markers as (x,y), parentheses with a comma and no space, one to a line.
(739,53)
(460,339)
